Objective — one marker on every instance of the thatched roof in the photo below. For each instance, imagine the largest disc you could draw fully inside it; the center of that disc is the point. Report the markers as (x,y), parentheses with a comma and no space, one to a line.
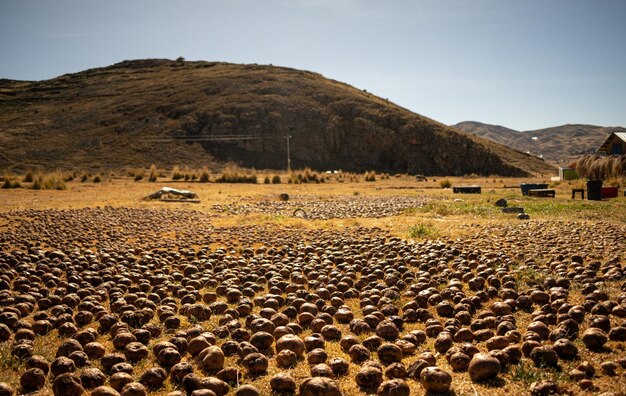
(596,167)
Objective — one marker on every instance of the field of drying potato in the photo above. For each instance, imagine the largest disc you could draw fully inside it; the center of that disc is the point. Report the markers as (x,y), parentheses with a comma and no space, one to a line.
(388,288)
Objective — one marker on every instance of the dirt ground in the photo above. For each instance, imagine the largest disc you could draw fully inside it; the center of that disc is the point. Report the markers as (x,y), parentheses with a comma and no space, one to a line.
(398,218)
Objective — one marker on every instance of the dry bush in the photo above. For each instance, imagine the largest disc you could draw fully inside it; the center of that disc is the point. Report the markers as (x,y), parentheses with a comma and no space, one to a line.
(306,176)
(310,176)
(153,174)
(70,177)
(177,174)
(370,176)
(616,182)
(348,177)
(204,176)
(51,181)
(595,167)
(134,172)
(445,183)
(185,173)
(28,178)
(11,182)
(234,175)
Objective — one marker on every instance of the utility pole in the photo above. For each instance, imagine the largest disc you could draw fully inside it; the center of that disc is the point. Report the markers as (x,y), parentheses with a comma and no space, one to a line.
(288,153)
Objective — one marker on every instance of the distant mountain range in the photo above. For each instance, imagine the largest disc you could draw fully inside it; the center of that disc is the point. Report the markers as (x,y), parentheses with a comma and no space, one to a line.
(558,144)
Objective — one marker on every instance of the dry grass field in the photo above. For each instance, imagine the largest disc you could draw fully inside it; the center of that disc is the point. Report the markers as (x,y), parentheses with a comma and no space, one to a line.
(376,280)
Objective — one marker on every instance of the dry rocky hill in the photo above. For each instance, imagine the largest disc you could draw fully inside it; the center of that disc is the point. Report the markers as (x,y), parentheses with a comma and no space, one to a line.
(135,113)
(557,144)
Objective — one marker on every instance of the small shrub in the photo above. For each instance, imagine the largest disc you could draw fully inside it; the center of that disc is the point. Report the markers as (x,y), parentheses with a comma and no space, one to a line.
(266,180)
(7,360)
(10,182)
(138,177)
(445,183)
(311,176)
(370,176)
(422,230)
(28,178)
(233,176)
(52,181)
(204,176)
(276,179)
(37,183)
(177,174)
(524,373)
(294,179)
(529,276)
(153,174)
(84,178)
(97,179)
(306,176)
(616,182)
(133,172)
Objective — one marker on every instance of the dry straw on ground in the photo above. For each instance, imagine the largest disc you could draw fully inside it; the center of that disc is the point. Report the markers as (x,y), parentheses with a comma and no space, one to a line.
(596,167)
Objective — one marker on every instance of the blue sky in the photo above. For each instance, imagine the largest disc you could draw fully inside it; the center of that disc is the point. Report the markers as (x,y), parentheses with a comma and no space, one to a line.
(521,64)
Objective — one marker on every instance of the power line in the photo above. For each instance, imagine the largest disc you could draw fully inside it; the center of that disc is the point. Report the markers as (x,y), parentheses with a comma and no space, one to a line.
(210,138)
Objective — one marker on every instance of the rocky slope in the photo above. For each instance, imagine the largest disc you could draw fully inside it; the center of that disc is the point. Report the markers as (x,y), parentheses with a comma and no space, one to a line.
(135,113)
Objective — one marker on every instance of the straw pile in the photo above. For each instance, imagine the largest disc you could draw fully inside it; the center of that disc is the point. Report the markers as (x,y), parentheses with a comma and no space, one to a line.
(596,167)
